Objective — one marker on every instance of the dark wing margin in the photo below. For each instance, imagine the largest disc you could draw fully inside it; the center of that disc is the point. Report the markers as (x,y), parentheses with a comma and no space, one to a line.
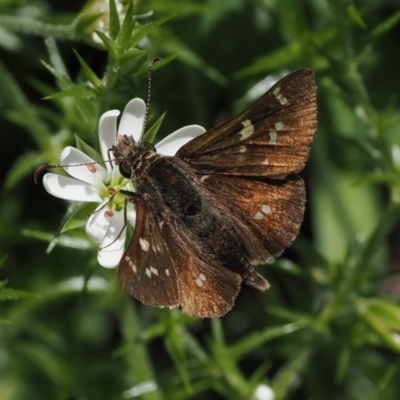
(165,267)
(271,138)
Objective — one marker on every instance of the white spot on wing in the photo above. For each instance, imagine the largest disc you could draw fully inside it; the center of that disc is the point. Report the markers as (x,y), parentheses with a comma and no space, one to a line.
(131,264)
(167,272)
(148,272)
(265,209)
(242,149)
(144,244)
(279,96)
(258,215)
(154,271)
(272,138)
(279,126)
(199,281)
(247,131)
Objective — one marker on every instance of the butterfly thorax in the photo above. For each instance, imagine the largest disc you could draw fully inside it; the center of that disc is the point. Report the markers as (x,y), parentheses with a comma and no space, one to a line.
(133,158)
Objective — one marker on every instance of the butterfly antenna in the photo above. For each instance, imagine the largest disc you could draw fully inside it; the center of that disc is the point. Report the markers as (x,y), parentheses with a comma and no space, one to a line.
(149,73)
(91,166)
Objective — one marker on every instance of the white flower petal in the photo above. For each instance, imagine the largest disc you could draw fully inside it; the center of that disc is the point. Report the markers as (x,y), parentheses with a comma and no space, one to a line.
(93,174)
(98,222)
(68,188)
(173,142)
(108,133)
(132,119)
(112,249)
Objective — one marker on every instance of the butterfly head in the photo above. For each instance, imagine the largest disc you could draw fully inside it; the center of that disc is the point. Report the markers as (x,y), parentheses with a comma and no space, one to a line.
(130,155)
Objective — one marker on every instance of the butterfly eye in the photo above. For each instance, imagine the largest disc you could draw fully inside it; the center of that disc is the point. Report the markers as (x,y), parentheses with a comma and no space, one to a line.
(149,146)
(125,170)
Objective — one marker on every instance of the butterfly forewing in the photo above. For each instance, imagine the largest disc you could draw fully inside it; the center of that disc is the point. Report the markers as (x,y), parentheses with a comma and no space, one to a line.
(270,138)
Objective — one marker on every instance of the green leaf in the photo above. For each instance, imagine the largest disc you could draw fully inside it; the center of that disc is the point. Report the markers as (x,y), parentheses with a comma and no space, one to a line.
(114,25)
(175,46)
(22,167)
(272,60)
(383,318)
(84,106)
(55,57)
(35,27)
(175,347)
(85,148)
(343,365)
(254,341)
(131,55)
(89,73)
(36,234)
(385,26)
(124,35)
(14,294)
(63,240)
(79,90)
(110,45)
(355,16)
(159,64)
(143,31)
(63,80)
(152,132)
(79,217)
(289,374)
(13,97)
(47,361)
(85,20)
(387,311)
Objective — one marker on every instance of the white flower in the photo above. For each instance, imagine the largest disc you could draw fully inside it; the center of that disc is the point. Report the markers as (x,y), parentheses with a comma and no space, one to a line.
(97,183)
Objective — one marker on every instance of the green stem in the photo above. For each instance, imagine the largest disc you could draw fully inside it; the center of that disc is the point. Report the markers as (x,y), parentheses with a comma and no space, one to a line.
(33,27)
(136,356)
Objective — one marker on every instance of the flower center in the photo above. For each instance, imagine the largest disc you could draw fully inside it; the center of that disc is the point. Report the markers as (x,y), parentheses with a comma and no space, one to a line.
(112,188)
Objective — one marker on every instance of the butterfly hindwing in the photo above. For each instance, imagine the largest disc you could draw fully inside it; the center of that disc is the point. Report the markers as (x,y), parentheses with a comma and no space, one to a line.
(207,288)
(164,266)
(267,213)
(270,138)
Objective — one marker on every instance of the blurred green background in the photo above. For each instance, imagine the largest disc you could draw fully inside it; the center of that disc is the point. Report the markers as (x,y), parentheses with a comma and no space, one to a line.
(329,328)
